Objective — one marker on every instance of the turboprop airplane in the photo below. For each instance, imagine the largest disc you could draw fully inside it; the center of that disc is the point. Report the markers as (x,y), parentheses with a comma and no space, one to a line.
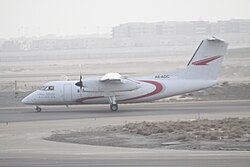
(112,88)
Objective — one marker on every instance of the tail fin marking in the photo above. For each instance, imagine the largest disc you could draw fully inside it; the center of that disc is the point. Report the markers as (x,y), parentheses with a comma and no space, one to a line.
(206,61)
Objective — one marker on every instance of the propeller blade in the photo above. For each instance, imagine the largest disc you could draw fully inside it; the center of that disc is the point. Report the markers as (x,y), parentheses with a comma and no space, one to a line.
(80,83)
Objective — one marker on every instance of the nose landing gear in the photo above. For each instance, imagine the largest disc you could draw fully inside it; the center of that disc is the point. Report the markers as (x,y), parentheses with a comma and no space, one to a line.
(38,109)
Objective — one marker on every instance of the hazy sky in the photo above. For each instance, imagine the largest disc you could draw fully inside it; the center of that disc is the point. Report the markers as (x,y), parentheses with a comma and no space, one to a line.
(71,17)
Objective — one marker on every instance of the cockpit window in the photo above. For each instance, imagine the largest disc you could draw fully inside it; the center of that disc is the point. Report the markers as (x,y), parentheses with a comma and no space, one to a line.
(51,87)
(47,88)
(43,88)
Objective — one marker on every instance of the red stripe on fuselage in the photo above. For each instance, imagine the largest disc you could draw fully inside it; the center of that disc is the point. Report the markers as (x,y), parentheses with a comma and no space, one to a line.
(157,90)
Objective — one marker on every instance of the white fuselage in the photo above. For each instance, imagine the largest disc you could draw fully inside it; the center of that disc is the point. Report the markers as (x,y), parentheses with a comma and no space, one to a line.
(67,93)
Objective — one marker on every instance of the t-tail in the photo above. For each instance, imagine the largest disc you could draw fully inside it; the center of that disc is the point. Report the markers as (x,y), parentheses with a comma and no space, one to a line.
(206,61)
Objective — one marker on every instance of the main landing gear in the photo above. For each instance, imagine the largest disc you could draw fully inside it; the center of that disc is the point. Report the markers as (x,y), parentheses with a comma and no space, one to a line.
(114,107)
(113,104)
(38,109)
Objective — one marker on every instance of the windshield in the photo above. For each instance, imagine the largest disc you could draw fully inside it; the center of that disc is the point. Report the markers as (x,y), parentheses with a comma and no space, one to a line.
(47,88)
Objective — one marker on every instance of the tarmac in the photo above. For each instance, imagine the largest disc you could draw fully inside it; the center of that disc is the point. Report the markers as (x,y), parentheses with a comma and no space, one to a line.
(22,133)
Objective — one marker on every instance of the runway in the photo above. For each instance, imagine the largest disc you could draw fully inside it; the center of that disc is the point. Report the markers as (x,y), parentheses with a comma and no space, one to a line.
(28,113)
(182,160)
(22,143)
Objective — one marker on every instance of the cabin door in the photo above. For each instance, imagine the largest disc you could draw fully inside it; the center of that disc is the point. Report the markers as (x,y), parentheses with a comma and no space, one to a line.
(67,92)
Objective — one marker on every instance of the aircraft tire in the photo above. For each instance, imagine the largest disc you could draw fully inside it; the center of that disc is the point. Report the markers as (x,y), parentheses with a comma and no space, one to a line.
(38,109)
(114,107)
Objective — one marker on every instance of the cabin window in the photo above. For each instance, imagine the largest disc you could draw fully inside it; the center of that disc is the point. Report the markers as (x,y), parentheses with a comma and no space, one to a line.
(47,88)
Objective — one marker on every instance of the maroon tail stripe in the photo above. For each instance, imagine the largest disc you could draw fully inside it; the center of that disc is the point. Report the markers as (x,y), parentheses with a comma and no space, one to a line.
(205,61)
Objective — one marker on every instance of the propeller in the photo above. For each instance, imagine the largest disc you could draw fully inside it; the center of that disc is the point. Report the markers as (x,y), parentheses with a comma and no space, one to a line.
(80,83)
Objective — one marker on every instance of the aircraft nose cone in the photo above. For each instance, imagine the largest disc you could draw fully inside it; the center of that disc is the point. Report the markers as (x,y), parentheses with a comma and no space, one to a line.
(27,100)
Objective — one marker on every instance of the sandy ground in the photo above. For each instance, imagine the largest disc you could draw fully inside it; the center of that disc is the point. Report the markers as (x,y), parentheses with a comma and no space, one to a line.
(231,134)
(221,91)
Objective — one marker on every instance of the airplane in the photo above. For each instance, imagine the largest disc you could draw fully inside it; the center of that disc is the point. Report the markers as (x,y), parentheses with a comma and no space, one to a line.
(113,88)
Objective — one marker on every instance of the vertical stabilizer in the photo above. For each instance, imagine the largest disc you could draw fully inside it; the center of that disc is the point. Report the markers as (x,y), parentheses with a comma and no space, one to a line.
(207,59)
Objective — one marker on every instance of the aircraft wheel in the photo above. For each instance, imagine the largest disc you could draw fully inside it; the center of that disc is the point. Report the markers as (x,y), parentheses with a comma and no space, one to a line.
(38,109)
(114,107)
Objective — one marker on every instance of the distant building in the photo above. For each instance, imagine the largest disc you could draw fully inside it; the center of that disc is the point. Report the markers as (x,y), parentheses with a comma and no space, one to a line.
(16,45)
(234,26)
(78,43)
(132,30)
(160,29)
(171,33)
